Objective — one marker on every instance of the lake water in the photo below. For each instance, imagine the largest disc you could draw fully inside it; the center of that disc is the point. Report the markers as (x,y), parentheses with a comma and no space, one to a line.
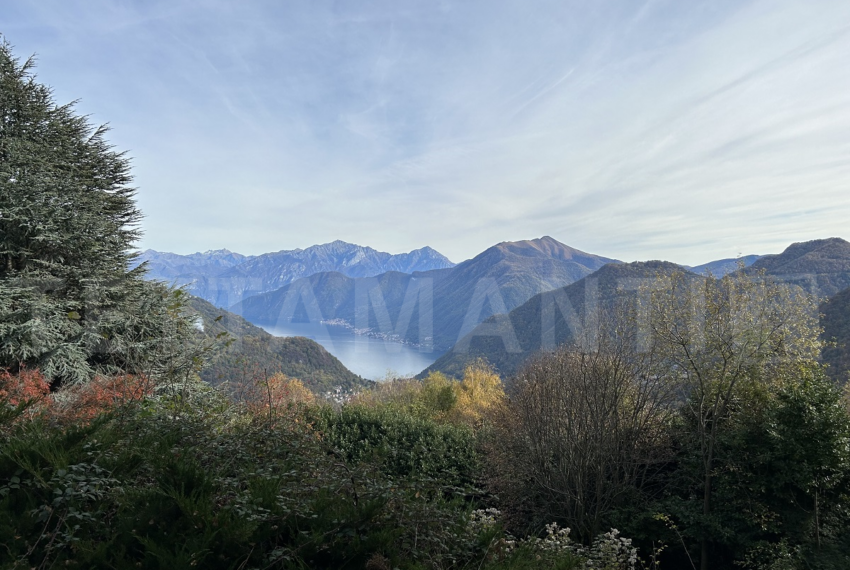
(368,357)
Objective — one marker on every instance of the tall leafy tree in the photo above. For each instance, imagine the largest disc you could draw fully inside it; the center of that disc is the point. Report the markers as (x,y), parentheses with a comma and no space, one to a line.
(723,340)
(68,221)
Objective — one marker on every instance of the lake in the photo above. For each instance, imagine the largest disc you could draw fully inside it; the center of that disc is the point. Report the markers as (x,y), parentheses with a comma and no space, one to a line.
(368,357)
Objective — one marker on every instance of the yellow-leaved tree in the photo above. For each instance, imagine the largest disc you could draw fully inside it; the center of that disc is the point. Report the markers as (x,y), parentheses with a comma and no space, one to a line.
(480,390)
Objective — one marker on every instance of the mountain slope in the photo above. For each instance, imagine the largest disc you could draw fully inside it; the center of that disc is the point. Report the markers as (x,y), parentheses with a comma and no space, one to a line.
(225,284)
(541,323)
(499,279)
(254,351)
(835,321)
(722,267)
(821,267)
(518,270)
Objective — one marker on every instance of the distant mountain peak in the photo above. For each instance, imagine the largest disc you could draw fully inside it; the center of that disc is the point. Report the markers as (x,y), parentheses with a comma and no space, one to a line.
(723,267)
(222,251)
(548,246)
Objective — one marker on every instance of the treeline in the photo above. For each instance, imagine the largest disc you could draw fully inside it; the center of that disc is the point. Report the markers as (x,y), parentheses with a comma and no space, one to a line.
(835,320)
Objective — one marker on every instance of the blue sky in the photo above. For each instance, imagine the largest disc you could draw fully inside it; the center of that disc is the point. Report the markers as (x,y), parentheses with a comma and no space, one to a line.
(686,131)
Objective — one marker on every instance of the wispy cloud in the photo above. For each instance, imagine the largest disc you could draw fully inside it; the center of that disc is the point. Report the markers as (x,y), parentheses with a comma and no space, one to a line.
(679,130)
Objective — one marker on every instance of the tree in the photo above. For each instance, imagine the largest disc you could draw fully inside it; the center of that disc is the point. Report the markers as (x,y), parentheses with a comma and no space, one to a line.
(720,340)
(480,390)
(69,306)
(791,459)
(272,395)
(583,434)
(781,478)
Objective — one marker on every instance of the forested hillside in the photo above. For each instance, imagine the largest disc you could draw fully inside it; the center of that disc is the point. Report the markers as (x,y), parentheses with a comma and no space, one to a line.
(549,319)
(835,321)
(821,267)
(251,353)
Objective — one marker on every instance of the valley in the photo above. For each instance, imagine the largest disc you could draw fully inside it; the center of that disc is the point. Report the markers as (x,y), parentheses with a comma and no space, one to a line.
(439,316)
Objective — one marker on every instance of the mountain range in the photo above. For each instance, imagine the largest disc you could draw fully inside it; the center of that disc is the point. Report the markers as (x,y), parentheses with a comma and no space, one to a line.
(224,278)
(495,281)
(465,311)
(821,267)
(165,266)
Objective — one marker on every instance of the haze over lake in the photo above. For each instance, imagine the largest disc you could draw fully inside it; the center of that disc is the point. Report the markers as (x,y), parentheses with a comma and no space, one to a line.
(368,357)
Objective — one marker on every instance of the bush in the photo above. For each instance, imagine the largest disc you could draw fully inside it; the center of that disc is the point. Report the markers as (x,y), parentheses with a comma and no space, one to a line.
(405,446)
(191,480)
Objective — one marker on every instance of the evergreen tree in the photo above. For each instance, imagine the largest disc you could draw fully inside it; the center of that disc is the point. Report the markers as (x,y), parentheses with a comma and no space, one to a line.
(69,305)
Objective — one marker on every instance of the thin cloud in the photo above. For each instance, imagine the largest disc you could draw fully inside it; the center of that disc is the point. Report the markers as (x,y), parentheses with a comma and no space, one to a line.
(656,130)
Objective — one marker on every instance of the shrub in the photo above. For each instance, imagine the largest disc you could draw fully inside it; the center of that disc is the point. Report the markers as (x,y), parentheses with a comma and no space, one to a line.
(404,445)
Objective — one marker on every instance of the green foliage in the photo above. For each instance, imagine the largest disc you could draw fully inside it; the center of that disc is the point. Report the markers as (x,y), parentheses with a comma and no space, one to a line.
(438,396)
(189,479)
(68,220)
(177,485)
(835,320)
(781,481)
(405,446)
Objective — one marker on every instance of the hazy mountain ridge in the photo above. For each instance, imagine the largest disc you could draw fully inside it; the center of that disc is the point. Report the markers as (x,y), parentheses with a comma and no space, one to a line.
(225,278)
(526,321)
(166,266)
(253,351)
(721,267)
(821,267)
(515,271)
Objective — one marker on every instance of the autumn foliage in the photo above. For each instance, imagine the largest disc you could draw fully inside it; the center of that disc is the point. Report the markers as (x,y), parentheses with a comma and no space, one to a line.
(77,403)
(84,402)
(459,402)
(27,389)
(269,395)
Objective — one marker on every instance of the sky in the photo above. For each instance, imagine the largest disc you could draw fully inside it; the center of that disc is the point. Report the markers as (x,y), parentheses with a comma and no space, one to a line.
(684,131)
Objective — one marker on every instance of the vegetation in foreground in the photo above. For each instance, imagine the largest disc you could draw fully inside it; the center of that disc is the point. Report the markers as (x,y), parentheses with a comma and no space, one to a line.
(695,420)
(185,477)
(419,474)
